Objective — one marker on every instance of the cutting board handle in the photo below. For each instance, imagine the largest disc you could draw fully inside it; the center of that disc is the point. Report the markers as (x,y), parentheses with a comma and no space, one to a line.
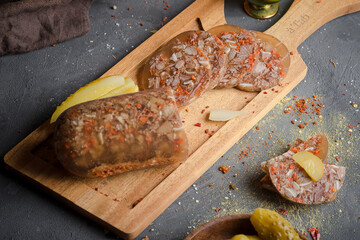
(306,16)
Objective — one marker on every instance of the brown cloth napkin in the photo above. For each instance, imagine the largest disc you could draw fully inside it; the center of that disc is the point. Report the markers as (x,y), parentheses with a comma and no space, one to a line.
(26,25)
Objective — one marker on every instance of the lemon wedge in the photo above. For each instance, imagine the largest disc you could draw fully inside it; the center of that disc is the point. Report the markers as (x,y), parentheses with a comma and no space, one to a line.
(311,163)
(99,88)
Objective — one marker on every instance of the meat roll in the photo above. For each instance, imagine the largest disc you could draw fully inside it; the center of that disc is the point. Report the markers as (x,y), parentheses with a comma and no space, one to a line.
(119,134)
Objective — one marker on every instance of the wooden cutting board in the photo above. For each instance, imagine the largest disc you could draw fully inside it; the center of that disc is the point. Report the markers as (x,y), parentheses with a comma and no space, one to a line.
(126,204)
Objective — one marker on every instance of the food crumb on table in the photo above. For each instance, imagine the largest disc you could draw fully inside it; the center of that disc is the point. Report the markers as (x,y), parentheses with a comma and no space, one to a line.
(224,169)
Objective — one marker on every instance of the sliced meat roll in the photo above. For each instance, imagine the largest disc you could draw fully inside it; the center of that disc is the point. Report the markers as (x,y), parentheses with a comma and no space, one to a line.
(253,62)
(190,64)
(267,184)
(265,68)
(286,177)
(294,184)
(213,49)
(266,180)
(241,48)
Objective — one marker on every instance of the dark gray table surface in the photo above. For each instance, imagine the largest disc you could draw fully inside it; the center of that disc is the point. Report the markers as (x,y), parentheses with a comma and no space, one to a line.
(33,84)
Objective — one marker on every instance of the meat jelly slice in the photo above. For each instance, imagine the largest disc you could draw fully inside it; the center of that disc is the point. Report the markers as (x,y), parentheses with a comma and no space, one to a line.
(191,63)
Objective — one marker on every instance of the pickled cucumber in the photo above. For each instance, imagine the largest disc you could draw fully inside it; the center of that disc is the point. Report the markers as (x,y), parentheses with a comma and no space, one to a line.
(240,237)
(245,237)
(271,226)
(253,237)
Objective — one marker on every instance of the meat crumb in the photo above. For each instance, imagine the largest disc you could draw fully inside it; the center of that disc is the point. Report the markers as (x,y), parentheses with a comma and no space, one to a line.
(232,187)
(224,169)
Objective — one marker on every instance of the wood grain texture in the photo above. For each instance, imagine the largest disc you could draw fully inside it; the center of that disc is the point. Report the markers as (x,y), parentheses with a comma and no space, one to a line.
(111,201)
(306,16)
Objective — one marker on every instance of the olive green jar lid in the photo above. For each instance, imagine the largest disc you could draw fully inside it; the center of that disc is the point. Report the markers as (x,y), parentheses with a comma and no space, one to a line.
(261,9)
